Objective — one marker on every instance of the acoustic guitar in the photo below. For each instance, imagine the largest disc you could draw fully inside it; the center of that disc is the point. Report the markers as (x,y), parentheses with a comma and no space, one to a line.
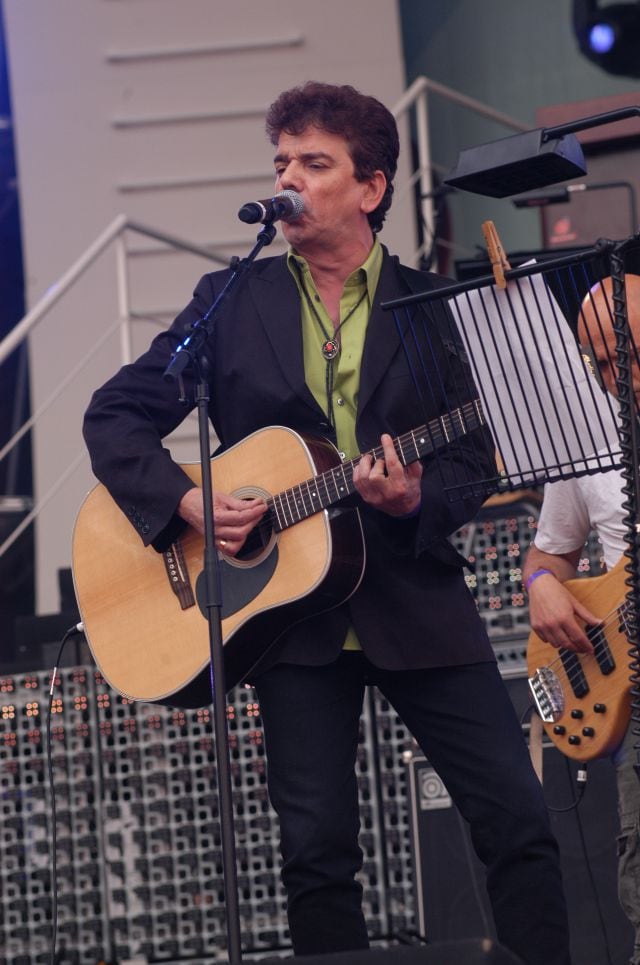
(143,611)
(584,700)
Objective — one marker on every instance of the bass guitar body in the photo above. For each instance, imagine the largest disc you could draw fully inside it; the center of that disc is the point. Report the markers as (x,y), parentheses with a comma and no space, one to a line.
(584,700)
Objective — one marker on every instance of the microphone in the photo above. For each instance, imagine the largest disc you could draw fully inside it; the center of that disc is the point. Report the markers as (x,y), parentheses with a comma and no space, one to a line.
(285,206)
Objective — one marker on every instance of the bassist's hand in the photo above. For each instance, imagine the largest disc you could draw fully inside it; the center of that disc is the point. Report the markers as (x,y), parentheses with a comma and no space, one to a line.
(557,616)
(233,518)
(386,483)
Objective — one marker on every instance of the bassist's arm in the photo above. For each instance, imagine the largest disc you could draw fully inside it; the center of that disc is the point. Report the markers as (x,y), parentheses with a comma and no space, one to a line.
(554,612)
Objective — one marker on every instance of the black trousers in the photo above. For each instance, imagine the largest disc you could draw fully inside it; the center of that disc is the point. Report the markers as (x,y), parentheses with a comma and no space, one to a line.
(464,722)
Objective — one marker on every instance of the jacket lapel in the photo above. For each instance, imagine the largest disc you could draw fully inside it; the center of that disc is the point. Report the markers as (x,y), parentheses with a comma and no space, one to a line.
(275,296)
(383,337)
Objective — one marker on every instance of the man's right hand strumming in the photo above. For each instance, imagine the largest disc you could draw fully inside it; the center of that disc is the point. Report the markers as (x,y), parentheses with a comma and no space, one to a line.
(233,518)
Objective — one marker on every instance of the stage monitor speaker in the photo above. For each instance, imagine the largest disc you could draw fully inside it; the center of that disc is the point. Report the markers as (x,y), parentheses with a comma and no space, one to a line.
(451,899)
(479,951)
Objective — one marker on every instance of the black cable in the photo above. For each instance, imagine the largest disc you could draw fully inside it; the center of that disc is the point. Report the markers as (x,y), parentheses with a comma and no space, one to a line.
(77,628)
(585,851)
(581,780)
(581,776)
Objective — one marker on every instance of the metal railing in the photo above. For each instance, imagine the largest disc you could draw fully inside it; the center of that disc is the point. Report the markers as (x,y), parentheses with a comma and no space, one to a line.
(114,234)
(417,97)
(414,99)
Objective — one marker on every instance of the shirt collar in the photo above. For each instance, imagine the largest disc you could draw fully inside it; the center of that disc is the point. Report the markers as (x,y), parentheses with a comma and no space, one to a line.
(368,272)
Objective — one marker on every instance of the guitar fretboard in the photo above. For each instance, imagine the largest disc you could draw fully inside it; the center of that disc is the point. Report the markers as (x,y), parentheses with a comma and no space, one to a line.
(309,497)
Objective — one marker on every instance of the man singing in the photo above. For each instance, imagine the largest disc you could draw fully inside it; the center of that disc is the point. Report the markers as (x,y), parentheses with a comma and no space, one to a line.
(304,343)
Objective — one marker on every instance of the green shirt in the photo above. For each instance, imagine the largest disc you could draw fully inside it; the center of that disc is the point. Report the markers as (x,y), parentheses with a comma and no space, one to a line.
(335,383)
(346,365)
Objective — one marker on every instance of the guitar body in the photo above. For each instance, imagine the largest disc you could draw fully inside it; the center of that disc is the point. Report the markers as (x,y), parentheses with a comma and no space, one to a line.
(146,645)
(594,723)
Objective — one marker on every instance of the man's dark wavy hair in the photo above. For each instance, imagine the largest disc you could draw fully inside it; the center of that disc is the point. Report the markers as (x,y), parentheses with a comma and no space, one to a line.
(367,126)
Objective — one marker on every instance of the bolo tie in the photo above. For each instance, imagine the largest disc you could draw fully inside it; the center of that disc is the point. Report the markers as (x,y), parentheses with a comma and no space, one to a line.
(331,345)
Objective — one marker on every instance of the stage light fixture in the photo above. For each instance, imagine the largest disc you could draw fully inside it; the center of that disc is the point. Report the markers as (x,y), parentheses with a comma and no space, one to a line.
(531,160)
(521,162)
(609,35)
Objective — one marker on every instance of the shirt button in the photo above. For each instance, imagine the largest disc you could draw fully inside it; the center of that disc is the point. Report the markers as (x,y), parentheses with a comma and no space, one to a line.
(340,401)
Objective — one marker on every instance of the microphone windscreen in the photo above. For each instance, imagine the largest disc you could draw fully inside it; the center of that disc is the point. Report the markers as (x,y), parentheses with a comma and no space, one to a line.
(297,204)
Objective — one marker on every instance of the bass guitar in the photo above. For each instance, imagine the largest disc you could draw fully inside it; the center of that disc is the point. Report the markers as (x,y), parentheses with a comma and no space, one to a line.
(584,700)
(143,611)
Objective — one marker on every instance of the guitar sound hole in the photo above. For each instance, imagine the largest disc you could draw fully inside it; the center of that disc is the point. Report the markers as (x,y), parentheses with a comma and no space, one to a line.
(256,543)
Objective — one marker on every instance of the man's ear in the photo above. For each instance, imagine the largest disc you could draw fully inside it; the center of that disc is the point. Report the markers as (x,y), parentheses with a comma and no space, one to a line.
(375,187)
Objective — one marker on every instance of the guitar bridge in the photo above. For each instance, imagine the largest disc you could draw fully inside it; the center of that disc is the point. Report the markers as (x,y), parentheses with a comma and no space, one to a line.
(547,694)
(178,575)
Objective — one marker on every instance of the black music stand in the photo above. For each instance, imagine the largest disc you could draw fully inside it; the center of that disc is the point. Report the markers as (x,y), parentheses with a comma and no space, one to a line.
(550,419)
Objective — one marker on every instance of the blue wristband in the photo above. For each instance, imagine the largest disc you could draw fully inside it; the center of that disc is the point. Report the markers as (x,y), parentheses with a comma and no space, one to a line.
(535,575)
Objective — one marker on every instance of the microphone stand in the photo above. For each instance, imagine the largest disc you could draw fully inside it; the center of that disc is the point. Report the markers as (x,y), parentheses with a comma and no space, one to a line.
(191,353)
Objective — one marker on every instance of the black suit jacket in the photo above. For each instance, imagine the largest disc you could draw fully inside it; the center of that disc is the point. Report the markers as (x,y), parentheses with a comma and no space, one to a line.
(412,608)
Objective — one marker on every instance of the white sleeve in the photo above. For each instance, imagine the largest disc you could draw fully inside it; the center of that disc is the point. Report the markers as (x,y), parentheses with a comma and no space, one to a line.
(564,523)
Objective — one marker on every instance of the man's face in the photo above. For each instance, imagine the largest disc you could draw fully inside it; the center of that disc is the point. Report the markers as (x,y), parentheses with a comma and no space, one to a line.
(319,167)
(596,334)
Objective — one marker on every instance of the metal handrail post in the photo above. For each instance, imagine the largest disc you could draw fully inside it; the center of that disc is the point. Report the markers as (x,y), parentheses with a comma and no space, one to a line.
(416,97)
(124,309)
(424,160)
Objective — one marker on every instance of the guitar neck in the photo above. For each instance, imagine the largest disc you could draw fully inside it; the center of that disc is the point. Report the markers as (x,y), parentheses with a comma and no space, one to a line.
(313,495)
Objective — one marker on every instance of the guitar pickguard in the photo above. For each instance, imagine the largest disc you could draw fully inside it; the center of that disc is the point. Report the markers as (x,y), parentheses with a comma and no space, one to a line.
(240,583)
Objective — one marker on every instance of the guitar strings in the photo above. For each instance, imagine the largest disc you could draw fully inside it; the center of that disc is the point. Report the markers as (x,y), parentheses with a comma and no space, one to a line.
(443,430)
(600,642)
